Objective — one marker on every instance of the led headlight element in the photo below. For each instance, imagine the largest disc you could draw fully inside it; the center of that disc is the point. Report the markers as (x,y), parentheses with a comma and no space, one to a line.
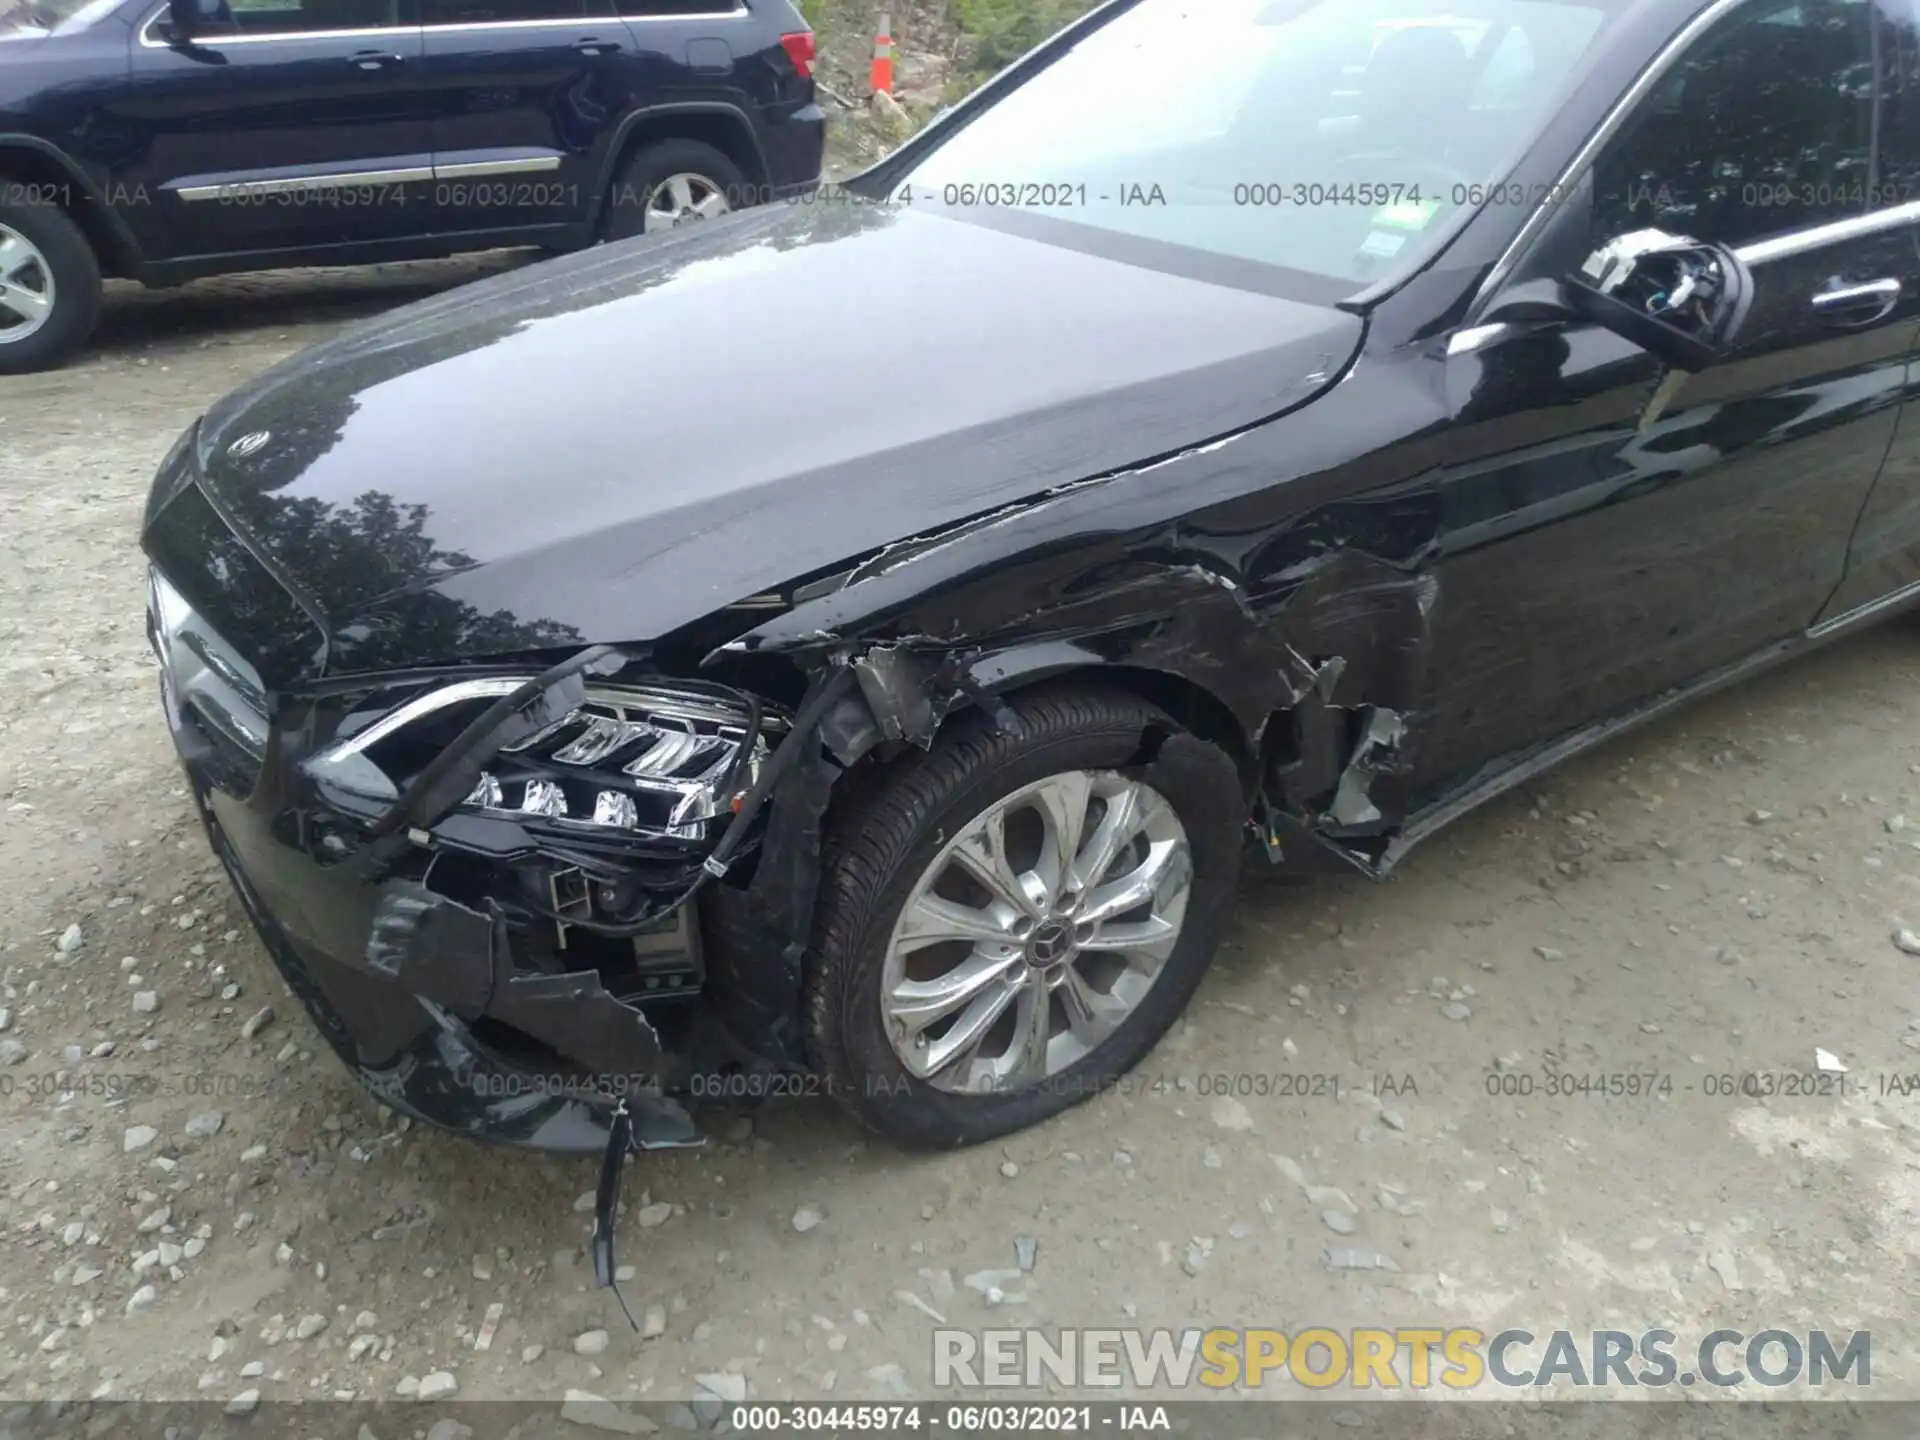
(646,760)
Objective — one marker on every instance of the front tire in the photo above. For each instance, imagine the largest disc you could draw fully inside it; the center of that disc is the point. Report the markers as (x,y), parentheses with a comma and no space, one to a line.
(1012,920)
(49,287)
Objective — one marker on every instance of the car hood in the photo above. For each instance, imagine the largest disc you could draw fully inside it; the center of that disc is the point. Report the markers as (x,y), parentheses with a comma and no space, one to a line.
(612,445)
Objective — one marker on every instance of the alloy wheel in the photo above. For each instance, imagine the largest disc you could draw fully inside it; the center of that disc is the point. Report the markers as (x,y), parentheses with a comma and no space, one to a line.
(26,286)
(1035,932)
(684,199)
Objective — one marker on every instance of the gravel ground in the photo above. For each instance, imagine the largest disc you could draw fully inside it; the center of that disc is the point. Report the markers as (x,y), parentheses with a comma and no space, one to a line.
(196,1204)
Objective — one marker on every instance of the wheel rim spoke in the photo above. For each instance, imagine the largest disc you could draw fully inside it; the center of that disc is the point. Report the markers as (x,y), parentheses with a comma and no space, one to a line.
(1151,939)
(1063,803)
(1031,1023)
(15,254)
(1127,813)
(26,286)
(916,1004)
(27,304)
(982,852)
(1134,889)
(957,1049)
(712,207)
(1091,1015)
(930,920)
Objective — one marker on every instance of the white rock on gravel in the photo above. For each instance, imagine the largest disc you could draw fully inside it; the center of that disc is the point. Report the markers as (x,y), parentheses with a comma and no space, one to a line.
(1345,1258)
(583,1407)
(138,1137)
(145,1002)
(141,1299)
(591,1342)
(725,1386)
(245,1403)
(257,1022)
(1229,1114)
(205,1125)
(440,1385)
(807,1217)
(1722,1263)
(70,940)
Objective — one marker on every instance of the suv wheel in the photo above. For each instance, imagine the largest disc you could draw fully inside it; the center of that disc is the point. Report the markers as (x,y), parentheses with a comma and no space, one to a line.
(1012,920)
(673,183)
(49,287)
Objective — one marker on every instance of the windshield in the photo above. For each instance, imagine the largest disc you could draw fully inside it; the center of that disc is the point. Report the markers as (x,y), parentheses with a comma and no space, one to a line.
(1331,136)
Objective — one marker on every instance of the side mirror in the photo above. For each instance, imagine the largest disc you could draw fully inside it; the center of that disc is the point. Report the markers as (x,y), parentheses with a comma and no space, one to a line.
(1681,300)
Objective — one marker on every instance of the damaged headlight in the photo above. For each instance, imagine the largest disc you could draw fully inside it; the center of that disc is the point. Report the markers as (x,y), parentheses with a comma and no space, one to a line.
(646,760)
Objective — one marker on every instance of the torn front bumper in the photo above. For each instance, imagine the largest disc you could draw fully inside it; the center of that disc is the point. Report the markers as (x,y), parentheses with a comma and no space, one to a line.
(421,996)
(415,1054)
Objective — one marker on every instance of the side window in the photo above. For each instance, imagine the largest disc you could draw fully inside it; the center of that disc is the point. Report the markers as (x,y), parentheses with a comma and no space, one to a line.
(1764,126)
(297,17)
(1898,181)
(489,12)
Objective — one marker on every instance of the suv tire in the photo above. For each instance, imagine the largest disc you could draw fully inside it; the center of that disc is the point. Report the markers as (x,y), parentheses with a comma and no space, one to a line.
(1085,1014)
(44,257)
(671,183)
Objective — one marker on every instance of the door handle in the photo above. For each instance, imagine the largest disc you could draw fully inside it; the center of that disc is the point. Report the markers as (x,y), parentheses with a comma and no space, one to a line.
(1858,304)
(593,45)
(374,59)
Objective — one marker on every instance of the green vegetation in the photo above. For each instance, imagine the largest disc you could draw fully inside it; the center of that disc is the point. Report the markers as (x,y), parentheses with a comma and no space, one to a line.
(1001,31)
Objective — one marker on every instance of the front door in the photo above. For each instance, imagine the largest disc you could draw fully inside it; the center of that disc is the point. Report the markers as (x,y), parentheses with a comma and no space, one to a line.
(278,125)
(1883,562)
(527,97)
(1616,530)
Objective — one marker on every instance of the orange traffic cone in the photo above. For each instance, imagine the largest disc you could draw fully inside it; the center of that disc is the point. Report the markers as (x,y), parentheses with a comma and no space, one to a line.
(883,57)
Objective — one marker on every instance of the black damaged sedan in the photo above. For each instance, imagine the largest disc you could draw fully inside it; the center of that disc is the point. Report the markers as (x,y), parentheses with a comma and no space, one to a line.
(850,646)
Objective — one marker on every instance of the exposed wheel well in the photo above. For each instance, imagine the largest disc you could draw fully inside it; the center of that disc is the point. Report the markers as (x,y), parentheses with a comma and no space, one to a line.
(1195,708)
(23,165)
(726,133)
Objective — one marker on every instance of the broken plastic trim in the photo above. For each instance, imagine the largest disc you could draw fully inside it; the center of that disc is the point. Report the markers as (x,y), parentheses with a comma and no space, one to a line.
(640,1122)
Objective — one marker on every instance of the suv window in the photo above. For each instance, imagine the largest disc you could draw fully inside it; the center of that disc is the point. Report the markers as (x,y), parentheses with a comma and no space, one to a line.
(1764,126)
(491,12)
(291,17)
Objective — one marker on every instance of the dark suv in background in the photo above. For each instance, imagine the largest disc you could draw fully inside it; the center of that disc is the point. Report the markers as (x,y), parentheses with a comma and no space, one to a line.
(162,140)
